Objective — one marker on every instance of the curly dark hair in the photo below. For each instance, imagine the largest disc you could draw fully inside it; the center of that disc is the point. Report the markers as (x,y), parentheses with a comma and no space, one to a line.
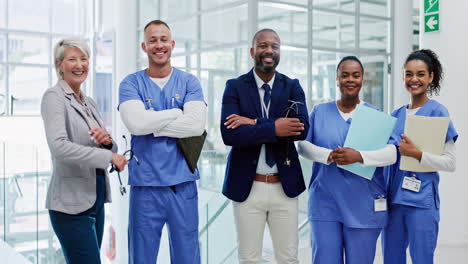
(433,66)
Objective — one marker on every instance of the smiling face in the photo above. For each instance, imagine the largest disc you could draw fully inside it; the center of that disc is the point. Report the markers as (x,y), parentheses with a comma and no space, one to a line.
(349,79)
(417,77)
(158,45)
(266,52)
(74,67)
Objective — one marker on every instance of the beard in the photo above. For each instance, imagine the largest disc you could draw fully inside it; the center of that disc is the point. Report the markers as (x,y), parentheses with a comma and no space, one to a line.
(266,68)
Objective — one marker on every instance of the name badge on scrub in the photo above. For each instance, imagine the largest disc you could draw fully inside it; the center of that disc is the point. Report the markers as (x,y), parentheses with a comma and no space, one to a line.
(411,184)
(148,101)
(380,204)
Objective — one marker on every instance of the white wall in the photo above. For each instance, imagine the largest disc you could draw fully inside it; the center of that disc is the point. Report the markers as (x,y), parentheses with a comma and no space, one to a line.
(451,43)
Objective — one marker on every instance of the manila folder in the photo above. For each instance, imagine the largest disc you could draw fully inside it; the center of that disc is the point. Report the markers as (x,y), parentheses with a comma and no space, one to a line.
(428,135)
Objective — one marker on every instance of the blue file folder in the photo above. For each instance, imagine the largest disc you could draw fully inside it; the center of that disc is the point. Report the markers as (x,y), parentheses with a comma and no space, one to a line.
(370,129)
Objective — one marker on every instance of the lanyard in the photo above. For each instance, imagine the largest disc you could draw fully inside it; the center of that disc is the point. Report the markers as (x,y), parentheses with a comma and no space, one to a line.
(265,108)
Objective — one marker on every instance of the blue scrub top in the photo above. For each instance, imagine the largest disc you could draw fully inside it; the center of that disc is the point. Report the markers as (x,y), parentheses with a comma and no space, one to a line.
(336,194)
(161,162)
(428,195)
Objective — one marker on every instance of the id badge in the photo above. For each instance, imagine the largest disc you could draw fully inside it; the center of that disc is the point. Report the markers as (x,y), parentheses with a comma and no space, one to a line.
(380,204)
(411,184)
(148,101)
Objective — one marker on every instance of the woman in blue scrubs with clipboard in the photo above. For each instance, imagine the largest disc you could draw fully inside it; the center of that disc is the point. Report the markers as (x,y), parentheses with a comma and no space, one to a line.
(346,211)
(414,196)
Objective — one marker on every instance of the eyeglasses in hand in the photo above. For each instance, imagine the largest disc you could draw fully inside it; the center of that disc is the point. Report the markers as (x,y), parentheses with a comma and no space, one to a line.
(128,154)
(293,107)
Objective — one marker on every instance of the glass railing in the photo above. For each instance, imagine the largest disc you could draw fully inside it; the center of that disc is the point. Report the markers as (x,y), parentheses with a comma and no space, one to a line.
(218,242)
(25,229)
(25,226)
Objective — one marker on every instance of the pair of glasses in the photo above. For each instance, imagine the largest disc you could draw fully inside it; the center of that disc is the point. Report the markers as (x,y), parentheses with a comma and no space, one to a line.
(128,154)
(293,107)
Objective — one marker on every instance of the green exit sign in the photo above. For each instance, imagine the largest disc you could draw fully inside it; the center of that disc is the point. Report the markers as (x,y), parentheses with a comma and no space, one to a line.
(431,15)
(431,6)
(431,23)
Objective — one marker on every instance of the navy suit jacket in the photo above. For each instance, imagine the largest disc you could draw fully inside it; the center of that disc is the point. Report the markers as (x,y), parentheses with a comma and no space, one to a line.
(241,97)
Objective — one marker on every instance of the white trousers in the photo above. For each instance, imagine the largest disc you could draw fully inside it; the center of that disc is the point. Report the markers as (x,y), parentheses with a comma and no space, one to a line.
(267,203)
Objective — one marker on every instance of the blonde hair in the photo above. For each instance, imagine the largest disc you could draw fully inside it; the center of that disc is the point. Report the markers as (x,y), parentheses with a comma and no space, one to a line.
(59,51)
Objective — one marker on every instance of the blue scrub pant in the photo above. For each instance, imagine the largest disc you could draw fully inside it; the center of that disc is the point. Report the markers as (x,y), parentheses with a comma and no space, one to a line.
(81,235)
(331,239)
(150,208)
(416,227)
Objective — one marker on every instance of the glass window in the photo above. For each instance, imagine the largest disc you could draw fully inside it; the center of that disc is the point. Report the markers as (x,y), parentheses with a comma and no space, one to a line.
(103,97)
(104,55)
(374,81)
(376,8)
(141,53)
(224,27)
(294,64)
(215,3)
(171,9)
(2,13)
(220,59)
(27,85)
(3,96)
(27,15)
(2,190)
(374,34)
(180,62)
(323,77)
(193,62)
(333,30)
(185,35)
(218,67)
(65,16)
(28,49)
(299,2)
(2,47)
(343,5)
(288,21)
(148,11)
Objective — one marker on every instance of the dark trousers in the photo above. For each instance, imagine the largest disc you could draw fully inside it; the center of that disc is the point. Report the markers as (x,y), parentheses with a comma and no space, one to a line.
(81,235)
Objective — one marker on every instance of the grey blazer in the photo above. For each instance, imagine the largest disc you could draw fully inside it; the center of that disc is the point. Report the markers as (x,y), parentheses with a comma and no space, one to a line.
(75,157)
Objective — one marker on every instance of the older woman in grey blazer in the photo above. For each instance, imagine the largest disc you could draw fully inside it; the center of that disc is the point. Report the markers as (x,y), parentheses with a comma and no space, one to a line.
(81,150)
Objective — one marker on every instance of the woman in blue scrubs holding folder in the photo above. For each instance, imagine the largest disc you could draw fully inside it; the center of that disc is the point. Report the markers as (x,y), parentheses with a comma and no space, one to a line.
(347,212)
(414,196)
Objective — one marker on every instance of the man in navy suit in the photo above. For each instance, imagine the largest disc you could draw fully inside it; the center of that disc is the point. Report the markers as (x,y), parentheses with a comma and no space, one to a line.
(263,113)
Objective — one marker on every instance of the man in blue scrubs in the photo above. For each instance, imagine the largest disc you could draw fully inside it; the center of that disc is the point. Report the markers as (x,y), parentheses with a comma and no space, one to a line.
(159,105)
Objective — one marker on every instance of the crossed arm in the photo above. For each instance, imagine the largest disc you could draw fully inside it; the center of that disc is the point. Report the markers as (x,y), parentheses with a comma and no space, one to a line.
(243,131)
(174,122)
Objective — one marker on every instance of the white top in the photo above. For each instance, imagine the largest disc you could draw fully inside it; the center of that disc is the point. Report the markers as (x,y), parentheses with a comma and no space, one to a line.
(161,82)
(262,167)
(445,162)
(379,158)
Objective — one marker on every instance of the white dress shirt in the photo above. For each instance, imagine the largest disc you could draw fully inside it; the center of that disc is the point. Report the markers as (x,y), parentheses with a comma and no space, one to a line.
(262,167)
